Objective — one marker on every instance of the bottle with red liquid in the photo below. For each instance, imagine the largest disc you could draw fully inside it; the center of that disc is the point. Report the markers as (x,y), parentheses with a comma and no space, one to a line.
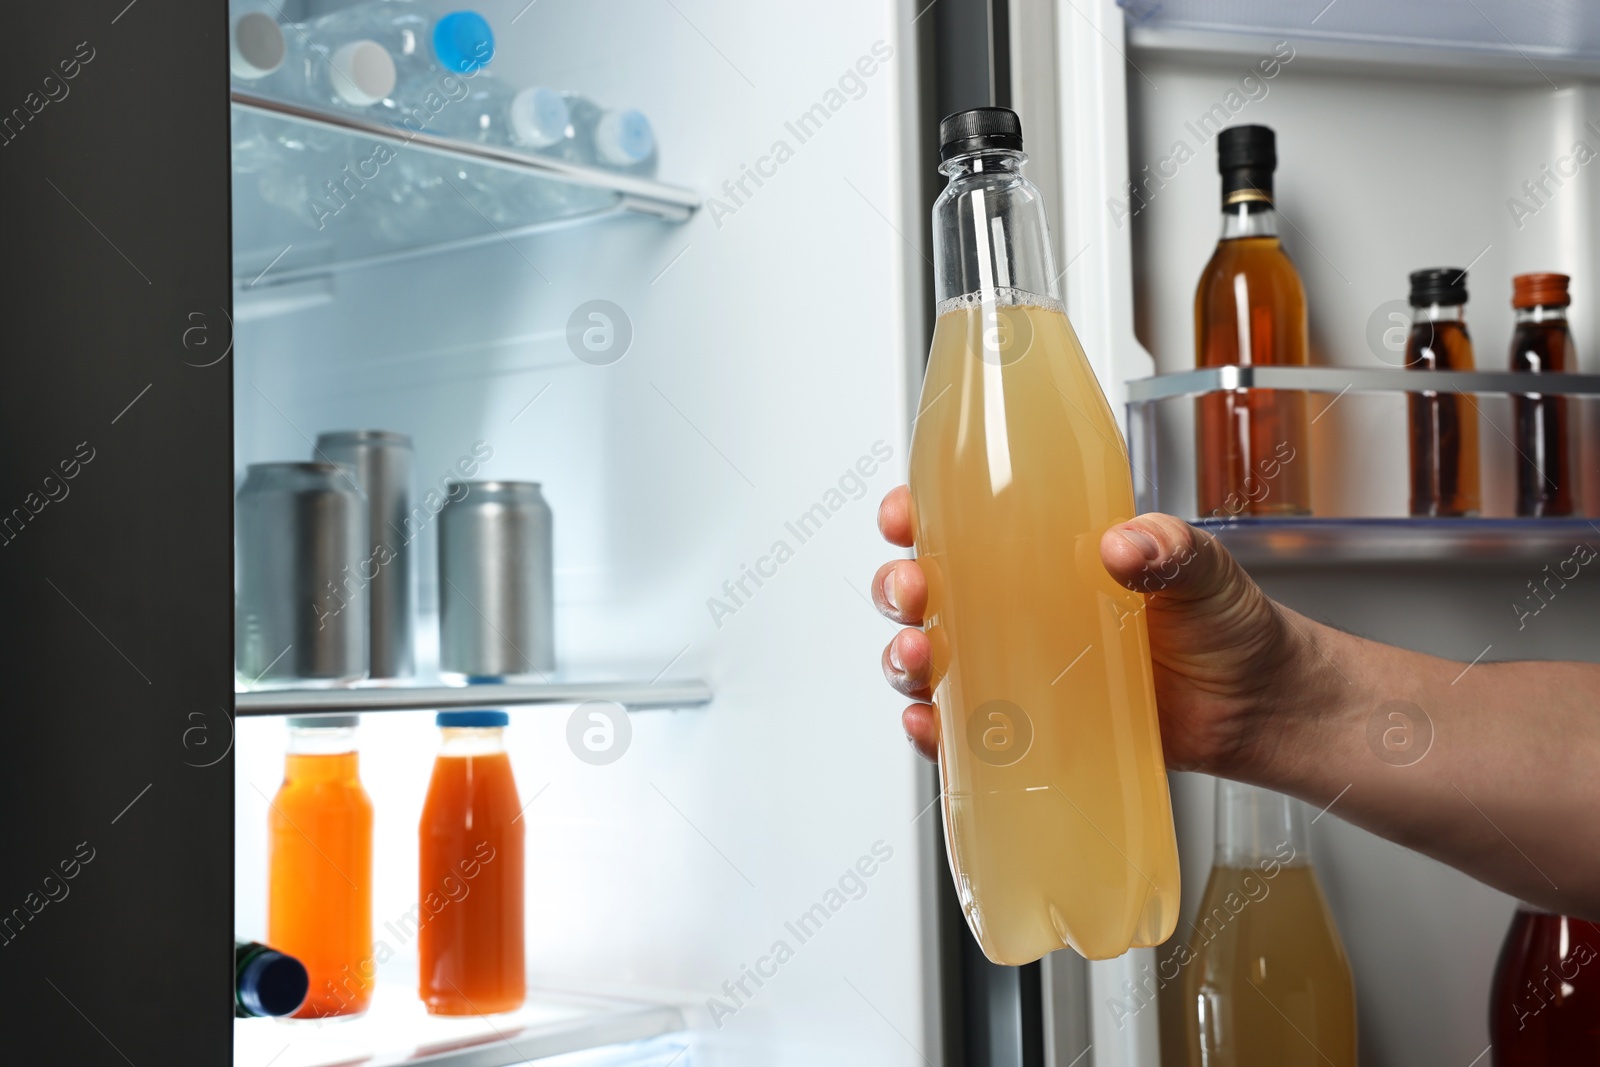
(1542,344)
(1544,1007)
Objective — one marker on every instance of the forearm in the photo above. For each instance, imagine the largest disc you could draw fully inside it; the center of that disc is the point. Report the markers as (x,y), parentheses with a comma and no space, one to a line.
(1493,768)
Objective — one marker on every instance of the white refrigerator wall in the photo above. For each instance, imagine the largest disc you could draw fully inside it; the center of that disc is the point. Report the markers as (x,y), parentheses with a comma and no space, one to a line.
(767,379)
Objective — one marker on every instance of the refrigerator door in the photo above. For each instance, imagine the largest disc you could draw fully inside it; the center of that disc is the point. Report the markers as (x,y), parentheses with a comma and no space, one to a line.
(115,536)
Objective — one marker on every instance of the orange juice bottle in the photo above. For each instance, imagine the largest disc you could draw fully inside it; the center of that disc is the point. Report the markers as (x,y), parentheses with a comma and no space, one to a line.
(319,900)
(1057,817)
(470,946)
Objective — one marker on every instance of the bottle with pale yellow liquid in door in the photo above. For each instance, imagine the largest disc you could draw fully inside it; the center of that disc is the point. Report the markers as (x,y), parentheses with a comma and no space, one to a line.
(1265,978)
(1057,817)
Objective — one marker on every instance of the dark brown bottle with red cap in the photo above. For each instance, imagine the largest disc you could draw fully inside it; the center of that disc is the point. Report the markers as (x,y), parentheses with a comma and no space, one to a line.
(1444,425)
(1251,456)
(1542,344)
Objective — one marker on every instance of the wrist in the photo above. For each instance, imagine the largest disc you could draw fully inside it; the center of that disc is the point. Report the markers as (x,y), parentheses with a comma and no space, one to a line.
(1303,722)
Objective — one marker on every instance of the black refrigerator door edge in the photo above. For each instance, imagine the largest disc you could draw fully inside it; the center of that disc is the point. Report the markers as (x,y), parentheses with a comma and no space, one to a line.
(991,1016)
(116,882)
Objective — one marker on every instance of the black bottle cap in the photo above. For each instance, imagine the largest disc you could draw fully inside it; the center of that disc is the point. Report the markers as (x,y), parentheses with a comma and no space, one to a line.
(1438,285)
(1247,156)
(1247,146)
(273,984)
(979,128)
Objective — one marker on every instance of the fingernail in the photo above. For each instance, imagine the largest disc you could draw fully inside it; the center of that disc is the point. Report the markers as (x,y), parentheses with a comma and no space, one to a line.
(1148,547)
(894,657)
(888,590)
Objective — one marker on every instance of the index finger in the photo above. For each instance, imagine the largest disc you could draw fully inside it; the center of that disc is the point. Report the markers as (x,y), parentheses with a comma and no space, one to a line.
(894,516)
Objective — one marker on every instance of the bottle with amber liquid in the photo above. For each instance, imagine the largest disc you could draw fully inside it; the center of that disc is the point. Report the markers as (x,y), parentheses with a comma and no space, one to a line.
(1250,310)
(1265,977)
(1542,344)
(319,896)
(1443,426)
(1544,1006)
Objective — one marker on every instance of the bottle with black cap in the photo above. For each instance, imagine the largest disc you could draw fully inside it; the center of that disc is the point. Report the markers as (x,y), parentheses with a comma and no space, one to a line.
(266,982)
(1017,469)
(1443,426)
(1251,455)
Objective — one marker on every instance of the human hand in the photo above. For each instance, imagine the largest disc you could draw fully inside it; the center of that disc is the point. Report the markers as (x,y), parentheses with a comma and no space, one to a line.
(1225,656)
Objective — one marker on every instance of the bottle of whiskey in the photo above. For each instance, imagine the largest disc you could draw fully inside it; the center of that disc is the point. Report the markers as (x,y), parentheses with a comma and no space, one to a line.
(1250,310)
(1444,426)
(1542,344)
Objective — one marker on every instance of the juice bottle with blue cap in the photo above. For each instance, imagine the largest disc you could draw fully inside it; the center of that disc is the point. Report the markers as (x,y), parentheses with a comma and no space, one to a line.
(470,873)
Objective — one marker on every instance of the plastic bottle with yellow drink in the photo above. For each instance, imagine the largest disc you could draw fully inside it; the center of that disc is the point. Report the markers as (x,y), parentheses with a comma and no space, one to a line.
(1057,817)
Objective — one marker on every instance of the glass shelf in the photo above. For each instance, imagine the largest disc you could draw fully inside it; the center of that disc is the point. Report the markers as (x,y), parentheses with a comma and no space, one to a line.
(635,696)
(313,191)
(397,1030)
(1320,543)
(1142,391)
(1496,537)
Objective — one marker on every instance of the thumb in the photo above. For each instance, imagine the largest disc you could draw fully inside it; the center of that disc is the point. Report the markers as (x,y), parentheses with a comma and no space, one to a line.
(1186,567)
(1210,625)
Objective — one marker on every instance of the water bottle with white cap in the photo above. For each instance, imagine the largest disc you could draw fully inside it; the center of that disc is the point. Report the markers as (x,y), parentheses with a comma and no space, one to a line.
(433,55)
(350,75)
(256,51)
(535,119)
(616,139)
(269,58)
(256,45)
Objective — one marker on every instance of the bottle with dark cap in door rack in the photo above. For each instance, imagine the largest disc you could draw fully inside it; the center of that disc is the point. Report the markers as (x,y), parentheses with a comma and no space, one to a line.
(1541,343)
(1443,426)
(1250,310)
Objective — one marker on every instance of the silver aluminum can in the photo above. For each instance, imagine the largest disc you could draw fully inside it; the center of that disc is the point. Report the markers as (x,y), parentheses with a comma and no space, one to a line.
(300,598)
(381,460)
(496,582)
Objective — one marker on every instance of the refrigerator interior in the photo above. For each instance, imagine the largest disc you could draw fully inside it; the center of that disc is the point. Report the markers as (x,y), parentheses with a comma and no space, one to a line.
(1405,136)
(773,336)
